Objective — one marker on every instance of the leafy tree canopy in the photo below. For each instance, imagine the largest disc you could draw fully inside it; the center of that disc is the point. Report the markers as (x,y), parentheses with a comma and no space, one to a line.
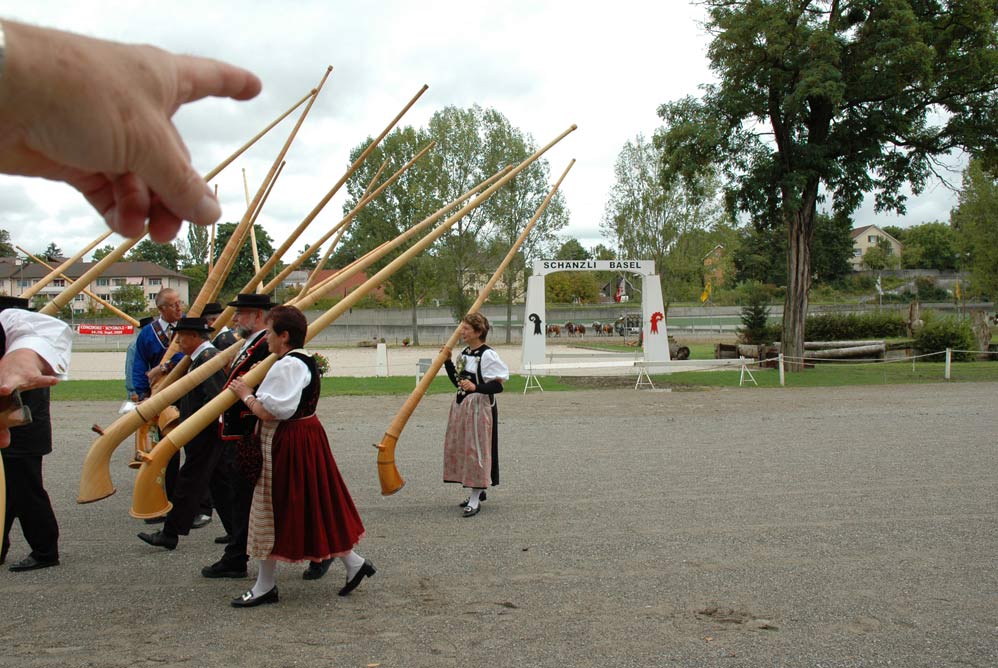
(845,97)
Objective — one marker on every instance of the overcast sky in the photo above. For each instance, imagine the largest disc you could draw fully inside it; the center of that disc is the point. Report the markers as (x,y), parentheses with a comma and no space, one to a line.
(544,65)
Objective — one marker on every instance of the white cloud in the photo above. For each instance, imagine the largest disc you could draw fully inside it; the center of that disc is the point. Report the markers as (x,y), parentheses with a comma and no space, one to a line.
(543,65)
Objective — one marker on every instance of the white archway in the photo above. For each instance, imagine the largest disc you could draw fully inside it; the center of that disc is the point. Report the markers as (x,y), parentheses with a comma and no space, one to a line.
(655,336)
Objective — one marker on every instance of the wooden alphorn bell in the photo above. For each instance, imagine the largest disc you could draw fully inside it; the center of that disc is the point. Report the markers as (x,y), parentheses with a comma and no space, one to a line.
(95,476)
(149,498)
(388,474)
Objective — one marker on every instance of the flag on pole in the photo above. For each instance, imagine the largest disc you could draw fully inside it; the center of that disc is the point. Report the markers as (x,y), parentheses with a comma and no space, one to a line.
(880,287)
(705,295)
(620,290)
(956,290)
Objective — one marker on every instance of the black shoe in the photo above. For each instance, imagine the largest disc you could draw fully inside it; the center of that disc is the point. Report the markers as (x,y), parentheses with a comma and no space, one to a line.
(31,564)
(223,540)
(160,539)
(464,504)
(156,520)
(316,569)
(367,570)
(200,521)
(220,569)
(248,600)
(471,512)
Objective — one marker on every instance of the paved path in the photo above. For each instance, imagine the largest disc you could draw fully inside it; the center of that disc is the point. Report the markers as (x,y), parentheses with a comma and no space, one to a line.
(730,528)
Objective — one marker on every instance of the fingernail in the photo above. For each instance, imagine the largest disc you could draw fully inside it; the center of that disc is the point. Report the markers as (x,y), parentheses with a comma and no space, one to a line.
(207,211)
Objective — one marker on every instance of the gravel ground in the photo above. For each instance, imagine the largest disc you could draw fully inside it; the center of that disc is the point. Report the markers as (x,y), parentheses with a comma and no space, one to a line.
(804,527)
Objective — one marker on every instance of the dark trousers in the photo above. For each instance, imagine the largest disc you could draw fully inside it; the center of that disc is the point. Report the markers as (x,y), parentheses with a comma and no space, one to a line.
(191,483)
(220,487)
(28,502)
(241,499)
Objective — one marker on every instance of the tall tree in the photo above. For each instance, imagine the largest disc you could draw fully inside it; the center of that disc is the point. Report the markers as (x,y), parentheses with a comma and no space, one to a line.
(930,246)
(102,252)
(6,247)
(164,255)
(242,269)
(198,242)
(854,95)
(647,220)
(52,251)
(975,221)
(407,201)
(571,249)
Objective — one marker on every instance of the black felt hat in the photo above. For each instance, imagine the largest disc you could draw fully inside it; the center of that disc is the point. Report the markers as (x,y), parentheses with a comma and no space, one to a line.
(251,300)
(192,325)
(211,308)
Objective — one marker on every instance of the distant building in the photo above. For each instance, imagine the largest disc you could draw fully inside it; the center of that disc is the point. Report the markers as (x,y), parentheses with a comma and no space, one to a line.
(16,276)
(865,238)
(296,279)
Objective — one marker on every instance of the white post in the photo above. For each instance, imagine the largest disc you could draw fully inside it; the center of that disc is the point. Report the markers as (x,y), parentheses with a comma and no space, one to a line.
(381,361)
(949,359)
(782,376)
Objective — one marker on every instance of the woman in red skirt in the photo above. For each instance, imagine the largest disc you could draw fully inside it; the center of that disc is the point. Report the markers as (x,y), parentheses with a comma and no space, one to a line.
(302,510)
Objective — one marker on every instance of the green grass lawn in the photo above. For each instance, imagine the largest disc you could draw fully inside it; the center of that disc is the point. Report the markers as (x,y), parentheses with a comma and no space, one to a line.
(114,390)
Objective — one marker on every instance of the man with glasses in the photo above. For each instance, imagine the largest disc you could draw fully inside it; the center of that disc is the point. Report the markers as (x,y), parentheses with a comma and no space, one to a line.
(152,342)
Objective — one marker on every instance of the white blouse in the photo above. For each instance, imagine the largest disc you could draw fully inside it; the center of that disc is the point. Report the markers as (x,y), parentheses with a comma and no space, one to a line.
(493,368)
(280,392)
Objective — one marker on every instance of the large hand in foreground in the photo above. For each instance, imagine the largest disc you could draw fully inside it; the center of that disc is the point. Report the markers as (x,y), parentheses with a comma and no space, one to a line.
(96,114)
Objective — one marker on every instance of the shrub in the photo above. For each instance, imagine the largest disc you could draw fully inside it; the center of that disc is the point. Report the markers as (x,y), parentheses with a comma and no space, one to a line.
(942,333)
(850,326)
(928,291)
(755,316)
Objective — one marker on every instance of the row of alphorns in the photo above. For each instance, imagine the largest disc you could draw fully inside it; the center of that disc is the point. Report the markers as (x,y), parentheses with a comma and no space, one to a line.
(149,499)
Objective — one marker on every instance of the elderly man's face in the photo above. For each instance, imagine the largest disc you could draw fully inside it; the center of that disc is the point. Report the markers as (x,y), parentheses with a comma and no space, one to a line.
(171,308)
(249,321)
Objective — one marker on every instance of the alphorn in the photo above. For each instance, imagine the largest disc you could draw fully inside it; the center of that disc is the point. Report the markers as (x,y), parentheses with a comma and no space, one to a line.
(63,298)
(341,226)
(388,474)
(272,262)
(95,476)
(314,274)
(213,285)
(103,302)
(33,290)
(252,232)
(149,498)
(227,259)
(326,286)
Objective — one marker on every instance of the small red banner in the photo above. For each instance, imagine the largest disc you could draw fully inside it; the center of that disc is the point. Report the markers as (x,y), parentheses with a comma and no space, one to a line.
(106,330)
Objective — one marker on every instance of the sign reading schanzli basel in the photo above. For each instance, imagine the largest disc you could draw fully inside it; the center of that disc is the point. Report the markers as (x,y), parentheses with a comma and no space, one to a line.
(643,267)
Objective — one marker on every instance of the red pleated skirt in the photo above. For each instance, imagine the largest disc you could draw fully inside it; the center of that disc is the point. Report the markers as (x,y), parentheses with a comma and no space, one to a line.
(314,515)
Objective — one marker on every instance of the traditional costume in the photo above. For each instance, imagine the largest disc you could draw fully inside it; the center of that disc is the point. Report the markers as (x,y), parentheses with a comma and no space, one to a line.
(471,454)
(301,509)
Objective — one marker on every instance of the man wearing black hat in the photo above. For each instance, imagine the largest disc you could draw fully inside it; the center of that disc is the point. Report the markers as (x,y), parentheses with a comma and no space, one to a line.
(203,451)
(224,337)
(240,464)
(34,353)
